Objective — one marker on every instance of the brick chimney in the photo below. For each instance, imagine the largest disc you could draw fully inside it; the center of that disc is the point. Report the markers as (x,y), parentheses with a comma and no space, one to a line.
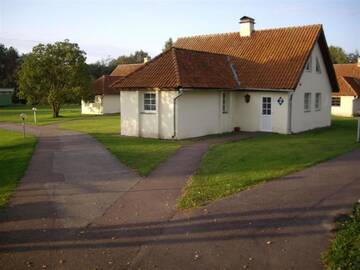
(246,26)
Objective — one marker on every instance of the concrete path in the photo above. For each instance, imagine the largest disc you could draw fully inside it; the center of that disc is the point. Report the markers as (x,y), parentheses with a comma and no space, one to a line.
(71,180)
(282,224)
(79,208)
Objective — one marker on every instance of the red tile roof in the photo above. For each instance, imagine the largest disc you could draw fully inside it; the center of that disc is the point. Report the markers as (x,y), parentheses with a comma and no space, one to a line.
(103,84)
(348,76)
(268,59)
(180,68)
(125,69)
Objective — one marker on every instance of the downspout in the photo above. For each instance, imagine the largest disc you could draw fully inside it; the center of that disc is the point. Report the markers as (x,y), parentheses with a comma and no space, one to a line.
(290,113)
(179,95)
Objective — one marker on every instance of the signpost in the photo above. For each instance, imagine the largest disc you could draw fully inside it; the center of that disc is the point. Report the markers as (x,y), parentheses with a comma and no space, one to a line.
(34,110)
(23,117)
(358,129)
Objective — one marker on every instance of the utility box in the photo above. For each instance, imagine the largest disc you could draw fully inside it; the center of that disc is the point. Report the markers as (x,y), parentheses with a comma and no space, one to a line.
(6,96)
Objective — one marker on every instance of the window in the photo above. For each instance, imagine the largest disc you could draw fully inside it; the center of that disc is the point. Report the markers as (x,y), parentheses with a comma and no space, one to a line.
(318,101)
(225,102)
(336,101)
(317,68)
(308,66)
(266,106)
(149,102)
(307,102)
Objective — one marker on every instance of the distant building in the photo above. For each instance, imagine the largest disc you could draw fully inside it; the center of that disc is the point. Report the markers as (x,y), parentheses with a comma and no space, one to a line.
(107,99)
(6,96)
(347,102)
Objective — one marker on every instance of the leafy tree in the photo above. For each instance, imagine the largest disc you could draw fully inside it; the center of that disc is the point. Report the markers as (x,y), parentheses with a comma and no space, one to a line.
(353,57)
(54,73)
(168,44)
(133,58)
(9,59)
(100,68)
(338,55)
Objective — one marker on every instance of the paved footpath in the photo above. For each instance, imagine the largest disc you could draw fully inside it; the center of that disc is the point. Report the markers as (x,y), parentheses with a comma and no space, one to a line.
(79,208)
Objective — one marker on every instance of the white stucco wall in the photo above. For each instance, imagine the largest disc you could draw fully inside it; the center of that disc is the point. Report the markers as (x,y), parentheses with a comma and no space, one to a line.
(111,104)
(312,82)
(346,108)
(95,107)
(129,113)
(199,113)
(248,115)
(356,106)
(136,122)
(102,105)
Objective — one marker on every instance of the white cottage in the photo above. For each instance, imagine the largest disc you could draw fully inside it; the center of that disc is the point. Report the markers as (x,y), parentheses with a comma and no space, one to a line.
(276,80)
(106,100)
(347,101)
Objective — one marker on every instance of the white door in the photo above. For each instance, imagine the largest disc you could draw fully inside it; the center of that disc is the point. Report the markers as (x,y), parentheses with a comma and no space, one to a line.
(265,121)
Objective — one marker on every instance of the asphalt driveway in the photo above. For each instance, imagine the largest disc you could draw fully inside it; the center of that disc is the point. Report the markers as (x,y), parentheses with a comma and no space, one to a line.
(79,208)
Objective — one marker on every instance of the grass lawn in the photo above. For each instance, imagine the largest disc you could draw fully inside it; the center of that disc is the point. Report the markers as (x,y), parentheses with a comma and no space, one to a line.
(344,252)
(232,167)
(43,114)
(140,154)
(15,153)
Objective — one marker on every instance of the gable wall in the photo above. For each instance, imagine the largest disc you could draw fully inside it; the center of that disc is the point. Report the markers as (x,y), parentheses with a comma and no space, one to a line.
(312,82)
(95,107)
(248,115)
(111,104)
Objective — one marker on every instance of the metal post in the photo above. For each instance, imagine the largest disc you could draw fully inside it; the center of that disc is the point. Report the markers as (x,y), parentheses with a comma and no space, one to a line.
(34,110)
(23,117)
(358,130)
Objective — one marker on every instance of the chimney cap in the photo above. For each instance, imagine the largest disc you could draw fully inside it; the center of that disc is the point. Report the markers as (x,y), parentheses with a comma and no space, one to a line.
(245,19)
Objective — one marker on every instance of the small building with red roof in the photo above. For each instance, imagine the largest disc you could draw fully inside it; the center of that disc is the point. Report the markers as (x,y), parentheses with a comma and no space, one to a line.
(346,102)
(107,98)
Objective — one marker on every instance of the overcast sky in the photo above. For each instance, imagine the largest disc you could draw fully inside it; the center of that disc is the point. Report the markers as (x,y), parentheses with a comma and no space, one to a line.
(110,28)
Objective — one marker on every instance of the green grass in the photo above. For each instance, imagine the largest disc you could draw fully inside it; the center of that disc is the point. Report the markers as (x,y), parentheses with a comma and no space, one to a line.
(232,167)
(140,154)
(344,252)
(15,153)
(43,114)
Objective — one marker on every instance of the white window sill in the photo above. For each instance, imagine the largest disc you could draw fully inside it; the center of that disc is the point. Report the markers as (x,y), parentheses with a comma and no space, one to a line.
(149,112)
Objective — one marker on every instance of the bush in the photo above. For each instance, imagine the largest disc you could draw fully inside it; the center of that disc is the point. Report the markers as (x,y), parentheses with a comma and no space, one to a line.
(344,252)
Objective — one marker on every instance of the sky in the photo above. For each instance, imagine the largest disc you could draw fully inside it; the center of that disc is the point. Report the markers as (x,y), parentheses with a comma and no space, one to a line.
(109,28)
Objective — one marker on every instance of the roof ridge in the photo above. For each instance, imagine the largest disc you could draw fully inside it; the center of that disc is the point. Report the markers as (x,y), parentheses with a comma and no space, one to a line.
(260,30)
(177,72)
(346,81)
(203,52)
(142,67)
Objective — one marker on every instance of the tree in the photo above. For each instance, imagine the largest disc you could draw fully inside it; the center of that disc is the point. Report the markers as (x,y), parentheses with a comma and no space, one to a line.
(9,59)
(168,44)
(338,55)
(54,73)
(100,68)
(353,57)
(133,58)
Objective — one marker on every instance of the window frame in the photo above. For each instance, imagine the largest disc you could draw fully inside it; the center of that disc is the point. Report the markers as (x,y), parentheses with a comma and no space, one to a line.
(317,65)
(307,102)
(152,105)
(318,101)
(308,65)
(225,102)
(338,103)
(266,106)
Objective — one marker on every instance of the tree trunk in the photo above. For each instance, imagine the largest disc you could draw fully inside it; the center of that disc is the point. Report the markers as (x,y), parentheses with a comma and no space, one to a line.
(56,110)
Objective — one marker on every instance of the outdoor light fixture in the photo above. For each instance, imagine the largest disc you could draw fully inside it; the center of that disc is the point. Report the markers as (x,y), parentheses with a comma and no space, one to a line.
(34,110)
(247,98)
(23,117)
